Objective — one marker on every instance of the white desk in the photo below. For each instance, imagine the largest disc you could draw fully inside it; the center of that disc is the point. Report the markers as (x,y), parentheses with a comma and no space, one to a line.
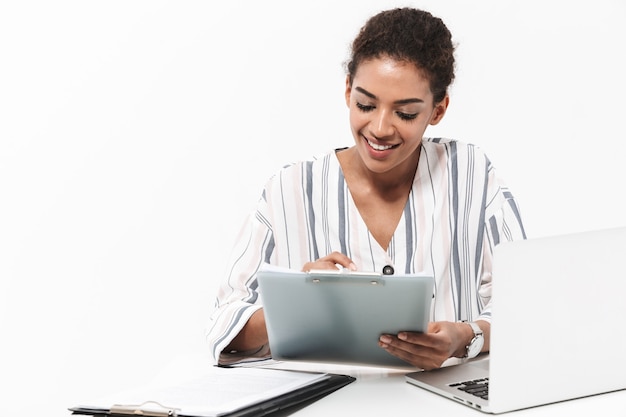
(385,392)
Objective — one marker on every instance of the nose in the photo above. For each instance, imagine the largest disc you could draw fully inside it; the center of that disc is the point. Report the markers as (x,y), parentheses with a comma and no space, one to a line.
(382,124)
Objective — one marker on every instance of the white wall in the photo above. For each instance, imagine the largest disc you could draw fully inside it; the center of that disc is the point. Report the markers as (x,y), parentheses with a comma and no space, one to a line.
(136,135)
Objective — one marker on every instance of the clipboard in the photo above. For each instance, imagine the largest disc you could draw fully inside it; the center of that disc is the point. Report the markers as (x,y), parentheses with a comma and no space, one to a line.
(337,316)
(282,390)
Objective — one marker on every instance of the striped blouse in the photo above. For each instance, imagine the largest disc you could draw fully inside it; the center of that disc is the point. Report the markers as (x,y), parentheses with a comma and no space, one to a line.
(457,211)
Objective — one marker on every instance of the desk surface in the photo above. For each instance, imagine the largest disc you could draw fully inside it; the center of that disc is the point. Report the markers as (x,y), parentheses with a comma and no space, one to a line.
(383,391)
(379,391)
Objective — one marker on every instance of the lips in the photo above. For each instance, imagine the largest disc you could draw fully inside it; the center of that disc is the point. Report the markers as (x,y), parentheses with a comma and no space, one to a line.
(379,147)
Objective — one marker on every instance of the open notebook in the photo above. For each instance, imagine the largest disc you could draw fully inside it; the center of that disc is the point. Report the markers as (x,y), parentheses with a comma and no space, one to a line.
(557,330)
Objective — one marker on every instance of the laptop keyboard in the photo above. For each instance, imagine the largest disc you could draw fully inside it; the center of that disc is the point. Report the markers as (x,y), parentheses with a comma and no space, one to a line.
(477,387)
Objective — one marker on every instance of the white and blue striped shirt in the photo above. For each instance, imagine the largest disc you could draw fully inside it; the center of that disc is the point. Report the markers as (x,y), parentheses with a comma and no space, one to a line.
(457,211)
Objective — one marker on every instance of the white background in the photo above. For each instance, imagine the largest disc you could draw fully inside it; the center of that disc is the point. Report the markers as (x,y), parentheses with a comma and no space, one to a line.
(135,136)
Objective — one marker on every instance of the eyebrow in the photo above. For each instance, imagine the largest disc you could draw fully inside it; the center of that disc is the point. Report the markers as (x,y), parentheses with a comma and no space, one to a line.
(403,101)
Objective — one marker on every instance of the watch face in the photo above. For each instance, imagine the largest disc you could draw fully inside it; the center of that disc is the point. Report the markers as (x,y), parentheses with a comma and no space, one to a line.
(475,347)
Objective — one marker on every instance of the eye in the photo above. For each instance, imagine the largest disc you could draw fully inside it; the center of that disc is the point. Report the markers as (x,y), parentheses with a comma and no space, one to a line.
(364,107)
(406,116)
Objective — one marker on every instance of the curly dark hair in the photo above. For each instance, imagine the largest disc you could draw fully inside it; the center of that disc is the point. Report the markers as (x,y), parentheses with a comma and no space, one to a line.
(411,35)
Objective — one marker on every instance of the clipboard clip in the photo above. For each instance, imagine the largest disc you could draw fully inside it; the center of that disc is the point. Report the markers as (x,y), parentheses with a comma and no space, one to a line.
(145,409)
(343,272)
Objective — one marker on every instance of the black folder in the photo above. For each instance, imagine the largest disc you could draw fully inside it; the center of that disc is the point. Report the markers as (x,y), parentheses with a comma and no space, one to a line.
(267,404)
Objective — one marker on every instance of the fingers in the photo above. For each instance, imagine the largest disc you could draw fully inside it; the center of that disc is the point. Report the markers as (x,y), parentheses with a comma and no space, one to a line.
(330,261)
(416,355)
(423,350)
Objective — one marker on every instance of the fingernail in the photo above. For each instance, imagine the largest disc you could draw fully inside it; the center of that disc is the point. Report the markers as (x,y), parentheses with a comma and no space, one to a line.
(352,266)
(402,336)
(385,339)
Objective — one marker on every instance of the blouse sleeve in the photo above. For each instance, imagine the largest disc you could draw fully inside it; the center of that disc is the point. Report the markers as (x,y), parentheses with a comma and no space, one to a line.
(237,297)
(503,222)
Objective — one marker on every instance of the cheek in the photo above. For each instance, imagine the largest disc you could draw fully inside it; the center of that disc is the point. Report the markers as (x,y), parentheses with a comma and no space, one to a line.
(411,134)
(358,119)
(414,128)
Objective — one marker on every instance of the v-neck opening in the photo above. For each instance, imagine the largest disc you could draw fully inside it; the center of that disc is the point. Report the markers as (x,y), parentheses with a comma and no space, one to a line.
(352,204)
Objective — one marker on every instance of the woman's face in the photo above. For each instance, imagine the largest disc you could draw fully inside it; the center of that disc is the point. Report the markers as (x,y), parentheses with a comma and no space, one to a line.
(390,107)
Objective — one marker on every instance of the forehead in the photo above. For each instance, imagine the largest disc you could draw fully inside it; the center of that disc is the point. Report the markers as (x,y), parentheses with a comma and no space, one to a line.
(387,76)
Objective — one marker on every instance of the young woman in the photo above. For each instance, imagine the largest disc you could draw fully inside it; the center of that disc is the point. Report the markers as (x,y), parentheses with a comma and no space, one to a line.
(394,198)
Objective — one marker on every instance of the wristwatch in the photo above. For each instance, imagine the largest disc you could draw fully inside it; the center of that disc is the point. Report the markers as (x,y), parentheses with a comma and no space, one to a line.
(476,344)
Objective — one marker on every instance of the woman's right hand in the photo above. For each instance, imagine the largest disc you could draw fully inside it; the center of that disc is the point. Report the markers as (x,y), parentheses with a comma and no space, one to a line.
(331,261)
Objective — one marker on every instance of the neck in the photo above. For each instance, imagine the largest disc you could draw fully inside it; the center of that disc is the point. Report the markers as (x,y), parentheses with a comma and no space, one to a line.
(398,180)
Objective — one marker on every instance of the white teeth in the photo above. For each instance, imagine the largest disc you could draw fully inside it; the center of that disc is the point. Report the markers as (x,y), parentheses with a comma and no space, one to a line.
(379,147)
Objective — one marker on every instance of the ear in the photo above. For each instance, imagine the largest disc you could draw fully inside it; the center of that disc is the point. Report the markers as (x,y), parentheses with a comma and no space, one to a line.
(440,110)
(348,92)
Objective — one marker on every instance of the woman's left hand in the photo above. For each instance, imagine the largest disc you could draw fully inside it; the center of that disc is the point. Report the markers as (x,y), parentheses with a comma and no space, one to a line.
(429,350)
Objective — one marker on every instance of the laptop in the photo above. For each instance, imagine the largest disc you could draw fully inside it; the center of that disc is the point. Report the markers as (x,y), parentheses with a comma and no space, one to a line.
(338,316)
(557,330)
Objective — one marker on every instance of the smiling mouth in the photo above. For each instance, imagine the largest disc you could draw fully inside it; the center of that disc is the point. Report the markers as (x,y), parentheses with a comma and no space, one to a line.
(378,147)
